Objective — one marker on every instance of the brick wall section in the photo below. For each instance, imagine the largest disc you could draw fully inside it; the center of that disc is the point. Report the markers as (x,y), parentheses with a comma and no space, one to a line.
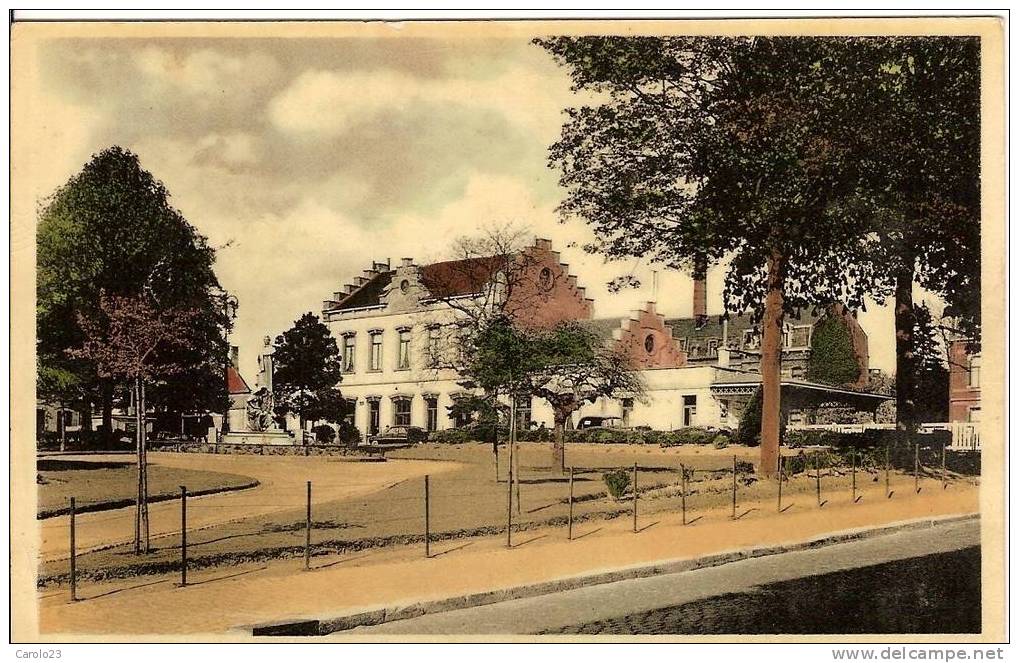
(961,396)
(541,298)
(632,339)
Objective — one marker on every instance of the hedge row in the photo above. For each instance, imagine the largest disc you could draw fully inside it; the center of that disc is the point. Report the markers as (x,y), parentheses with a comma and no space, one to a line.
(719,437)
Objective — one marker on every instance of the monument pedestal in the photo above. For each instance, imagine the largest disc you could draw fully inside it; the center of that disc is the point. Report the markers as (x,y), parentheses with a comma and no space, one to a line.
(268,437)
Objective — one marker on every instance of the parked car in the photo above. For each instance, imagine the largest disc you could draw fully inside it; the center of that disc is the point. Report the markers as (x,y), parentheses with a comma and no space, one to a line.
(587,423)
(398,436)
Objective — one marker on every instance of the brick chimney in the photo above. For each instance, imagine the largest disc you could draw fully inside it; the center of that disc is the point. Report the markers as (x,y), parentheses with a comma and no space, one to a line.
(700,292)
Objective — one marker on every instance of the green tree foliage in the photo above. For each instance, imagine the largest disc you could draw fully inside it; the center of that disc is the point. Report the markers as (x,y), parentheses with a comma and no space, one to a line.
(111,229)
(931,368)
(307,370)
(700,148)
(921,193)
(832,355)
(749,430)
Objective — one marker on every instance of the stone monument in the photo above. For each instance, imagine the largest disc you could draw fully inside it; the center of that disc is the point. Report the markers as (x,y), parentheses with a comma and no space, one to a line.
(260,419)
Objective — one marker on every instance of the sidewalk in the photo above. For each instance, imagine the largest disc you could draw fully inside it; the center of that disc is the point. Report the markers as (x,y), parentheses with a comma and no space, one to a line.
(224,600)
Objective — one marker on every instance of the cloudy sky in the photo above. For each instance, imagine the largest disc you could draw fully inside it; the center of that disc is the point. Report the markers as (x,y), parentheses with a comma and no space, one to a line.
(305,159)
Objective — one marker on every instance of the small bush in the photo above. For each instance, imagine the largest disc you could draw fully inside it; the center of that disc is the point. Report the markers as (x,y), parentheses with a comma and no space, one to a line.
(349,434)
(617,482)
(720,442)
(324,434)
(451,436)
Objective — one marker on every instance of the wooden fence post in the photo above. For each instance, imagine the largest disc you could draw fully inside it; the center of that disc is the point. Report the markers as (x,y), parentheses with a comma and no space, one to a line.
(428,552)
(916,467)
(682,494)
(854,475)
(944,471)
(734,486)
(307,530)
(635,498)
(509,501)
(74,560)
(817,477)
(183,536)
(569,531)
(888,489)
(781,471)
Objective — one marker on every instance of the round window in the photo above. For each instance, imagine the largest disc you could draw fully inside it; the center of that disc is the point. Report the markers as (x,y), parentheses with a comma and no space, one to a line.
(649,343)
(545,278)
(405,285)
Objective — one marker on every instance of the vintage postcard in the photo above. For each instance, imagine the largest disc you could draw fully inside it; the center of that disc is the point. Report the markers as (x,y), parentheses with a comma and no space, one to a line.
(521,330)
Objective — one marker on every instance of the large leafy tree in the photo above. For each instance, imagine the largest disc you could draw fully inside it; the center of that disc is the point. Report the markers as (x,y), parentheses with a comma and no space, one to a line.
(135,342)
(111,229)
(566,365)
(573,367)
(307,370)
(922,191)
(697,149)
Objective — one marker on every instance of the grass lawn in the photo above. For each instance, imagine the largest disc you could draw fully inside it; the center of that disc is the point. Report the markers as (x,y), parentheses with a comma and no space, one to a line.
(102,485)
(469,501)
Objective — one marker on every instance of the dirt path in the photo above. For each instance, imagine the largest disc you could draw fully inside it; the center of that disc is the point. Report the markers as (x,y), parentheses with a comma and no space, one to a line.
(223,600)
(281,487)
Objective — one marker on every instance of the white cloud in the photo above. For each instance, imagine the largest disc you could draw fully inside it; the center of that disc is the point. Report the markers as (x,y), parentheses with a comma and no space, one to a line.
(329,103)
(205,71)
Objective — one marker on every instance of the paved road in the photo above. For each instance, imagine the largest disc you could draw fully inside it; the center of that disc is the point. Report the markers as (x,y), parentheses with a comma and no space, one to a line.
(652,605)
(281,487)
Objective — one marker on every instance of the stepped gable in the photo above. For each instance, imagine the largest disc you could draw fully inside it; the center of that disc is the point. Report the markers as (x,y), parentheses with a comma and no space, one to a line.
(545,294)
(365,290)
(630,334)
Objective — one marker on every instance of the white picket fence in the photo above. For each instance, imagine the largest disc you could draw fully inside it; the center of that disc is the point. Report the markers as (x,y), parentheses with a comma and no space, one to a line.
(965,434)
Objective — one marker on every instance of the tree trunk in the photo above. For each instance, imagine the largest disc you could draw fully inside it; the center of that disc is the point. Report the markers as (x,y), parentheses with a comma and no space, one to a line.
(771,365)
(140,464)
(141,519)
(559,440)
(905,362)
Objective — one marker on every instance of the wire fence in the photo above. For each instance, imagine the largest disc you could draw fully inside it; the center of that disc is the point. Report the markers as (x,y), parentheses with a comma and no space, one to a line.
(447,508)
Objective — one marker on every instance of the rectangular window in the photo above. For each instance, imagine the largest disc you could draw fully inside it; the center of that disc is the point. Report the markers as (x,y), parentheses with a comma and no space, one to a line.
(523,413)
(800,337)
(434,336)
(403,356)
(974,371)
(974,415)
(348,353)
(432,414)
(627,411)
(373,416)
(350,411)
(712,347)
(796,372)
(401,412)
(689,410)
(376,364)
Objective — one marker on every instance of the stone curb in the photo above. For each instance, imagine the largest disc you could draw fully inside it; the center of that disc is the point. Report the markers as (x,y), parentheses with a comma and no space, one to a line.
(326,625)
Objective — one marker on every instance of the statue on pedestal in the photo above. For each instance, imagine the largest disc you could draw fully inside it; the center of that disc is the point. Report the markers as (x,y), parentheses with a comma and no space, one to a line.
(260,410)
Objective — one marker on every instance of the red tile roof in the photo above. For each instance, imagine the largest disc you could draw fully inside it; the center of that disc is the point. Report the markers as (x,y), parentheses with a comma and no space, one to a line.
(451,278)
(460,277)
(235,384)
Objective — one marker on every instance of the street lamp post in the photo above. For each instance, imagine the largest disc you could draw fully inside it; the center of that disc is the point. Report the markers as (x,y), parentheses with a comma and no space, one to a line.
(230,306)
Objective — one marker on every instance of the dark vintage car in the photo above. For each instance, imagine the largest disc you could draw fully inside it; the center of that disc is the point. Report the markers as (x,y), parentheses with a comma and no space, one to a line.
(398,436)
(587,423)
